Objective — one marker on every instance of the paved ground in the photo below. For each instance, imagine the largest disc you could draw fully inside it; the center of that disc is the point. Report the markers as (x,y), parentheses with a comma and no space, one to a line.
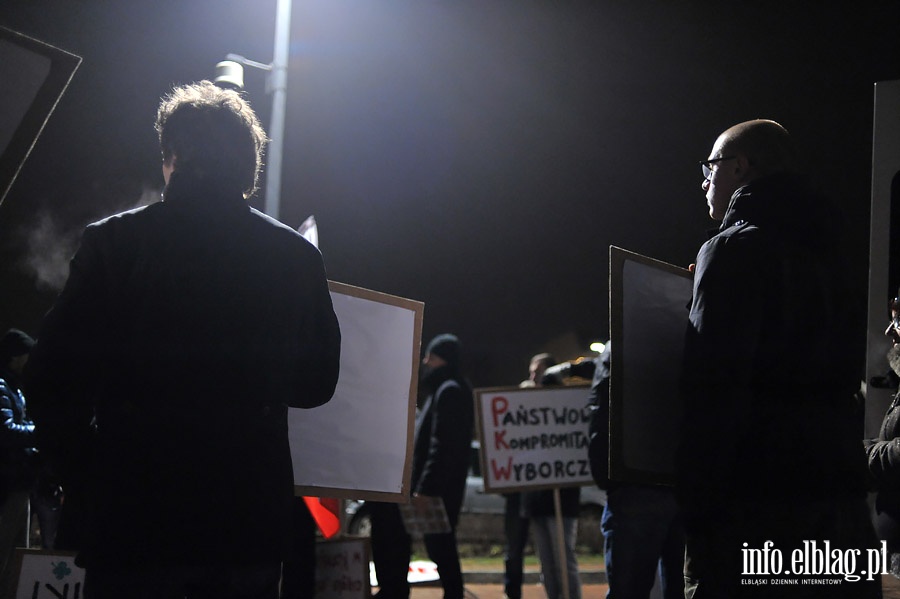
(495,591)
(591,590)
(890,586)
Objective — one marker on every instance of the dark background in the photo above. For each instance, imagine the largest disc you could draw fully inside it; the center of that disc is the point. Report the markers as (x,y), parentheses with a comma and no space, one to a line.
(477,155)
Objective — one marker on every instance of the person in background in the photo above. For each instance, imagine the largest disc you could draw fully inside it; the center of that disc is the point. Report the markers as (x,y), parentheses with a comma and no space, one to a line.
(642,530)
(536,367)
(16,448)
(539,508)
(443,434)
(515,525)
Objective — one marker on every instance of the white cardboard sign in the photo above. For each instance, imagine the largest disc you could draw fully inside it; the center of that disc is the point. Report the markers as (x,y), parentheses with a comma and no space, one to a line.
(342,569)
(48,575)
(533,438)
(359,444)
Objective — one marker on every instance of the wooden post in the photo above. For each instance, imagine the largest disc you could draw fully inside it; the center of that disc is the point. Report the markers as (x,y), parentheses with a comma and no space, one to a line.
(561,544)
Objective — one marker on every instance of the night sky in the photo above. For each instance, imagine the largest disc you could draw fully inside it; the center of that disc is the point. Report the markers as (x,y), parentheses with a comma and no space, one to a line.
(477,155)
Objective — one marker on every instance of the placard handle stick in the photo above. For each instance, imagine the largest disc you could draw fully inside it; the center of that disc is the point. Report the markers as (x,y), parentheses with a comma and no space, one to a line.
(561,562)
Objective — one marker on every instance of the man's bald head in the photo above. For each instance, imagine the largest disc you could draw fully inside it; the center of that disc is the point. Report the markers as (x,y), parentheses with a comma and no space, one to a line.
(766,145)
(742,154)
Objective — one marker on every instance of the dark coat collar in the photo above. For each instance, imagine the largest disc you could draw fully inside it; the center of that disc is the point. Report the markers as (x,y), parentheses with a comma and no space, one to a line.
(777,198)
(202,194)
(787,206)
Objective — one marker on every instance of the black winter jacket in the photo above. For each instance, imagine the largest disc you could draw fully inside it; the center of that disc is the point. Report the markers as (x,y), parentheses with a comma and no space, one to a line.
(769,367)
(884,466)
(186,329)
(16,435)
(442,439)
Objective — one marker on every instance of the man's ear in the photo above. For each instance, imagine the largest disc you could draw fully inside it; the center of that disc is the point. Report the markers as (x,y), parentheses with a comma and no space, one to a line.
(743,168)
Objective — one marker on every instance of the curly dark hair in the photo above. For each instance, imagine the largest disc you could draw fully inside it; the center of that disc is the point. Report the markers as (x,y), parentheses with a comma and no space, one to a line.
(213,134)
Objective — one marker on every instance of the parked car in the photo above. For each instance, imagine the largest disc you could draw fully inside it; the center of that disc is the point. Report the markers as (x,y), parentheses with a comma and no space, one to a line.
(476,500)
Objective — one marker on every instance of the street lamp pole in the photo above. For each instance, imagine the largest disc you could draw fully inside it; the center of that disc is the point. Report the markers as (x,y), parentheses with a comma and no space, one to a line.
(278,89)
(230,73)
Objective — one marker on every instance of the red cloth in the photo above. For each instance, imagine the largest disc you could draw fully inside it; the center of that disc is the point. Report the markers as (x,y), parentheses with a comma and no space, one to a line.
(326,512)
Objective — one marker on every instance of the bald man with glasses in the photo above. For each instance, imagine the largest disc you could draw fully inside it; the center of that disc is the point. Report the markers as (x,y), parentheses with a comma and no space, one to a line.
(771,452)
(883,454)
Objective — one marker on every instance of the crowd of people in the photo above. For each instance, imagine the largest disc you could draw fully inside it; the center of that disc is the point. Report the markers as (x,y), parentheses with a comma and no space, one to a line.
(160,381)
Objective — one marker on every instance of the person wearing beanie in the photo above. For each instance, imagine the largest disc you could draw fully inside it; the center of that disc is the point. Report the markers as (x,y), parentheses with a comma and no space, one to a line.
(444,427)
(446,347)
(15,344)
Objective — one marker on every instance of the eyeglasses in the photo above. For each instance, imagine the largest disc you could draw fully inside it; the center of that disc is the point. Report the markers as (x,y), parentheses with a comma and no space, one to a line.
(893,329)
(706,165)
(895,313)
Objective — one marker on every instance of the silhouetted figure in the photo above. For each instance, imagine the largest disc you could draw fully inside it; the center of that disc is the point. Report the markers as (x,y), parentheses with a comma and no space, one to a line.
(298,573)
(884,456)
(771,443)
(539,507)
(16,448)
(440,463)
(642,529)
(185,330)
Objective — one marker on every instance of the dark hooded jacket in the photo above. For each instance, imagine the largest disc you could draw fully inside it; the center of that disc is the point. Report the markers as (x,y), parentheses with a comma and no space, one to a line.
(769,366)
(442,438)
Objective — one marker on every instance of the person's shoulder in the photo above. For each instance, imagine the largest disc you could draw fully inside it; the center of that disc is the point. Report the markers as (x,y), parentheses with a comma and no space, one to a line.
(739,236)
(278,232)
(732,248)
(451,386)
(450,383)
(135,215)
(122,224)
(740,229)
(455,389)
(7,392)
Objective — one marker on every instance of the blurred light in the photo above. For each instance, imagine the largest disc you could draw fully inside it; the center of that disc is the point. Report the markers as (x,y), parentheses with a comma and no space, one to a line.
(230,75)
(598,347)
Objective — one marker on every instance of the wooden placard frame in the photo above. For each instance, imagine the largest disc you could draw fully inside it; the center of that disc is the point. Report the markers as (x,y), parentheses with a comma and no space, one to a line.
(60,68)
(649,303)
(355,419)
(568,397)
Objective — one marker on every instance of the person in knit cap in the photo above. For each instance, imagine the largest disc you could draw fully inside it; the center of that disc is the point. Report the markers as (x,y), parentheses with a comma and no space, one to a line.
(440,463)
